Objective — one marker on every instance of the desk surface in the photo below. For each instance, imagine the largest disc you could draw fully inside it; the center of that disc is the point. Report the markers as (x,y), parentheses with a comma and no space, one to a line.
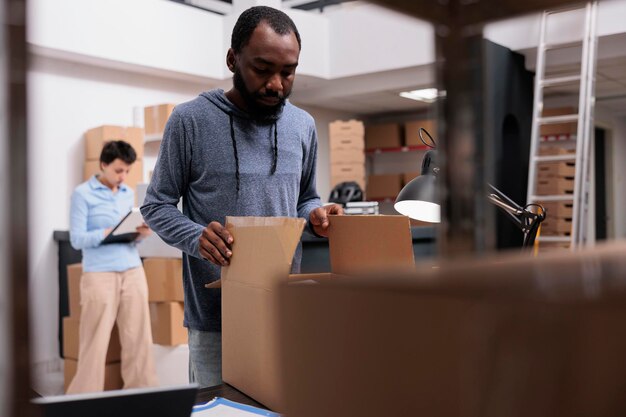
(225,391)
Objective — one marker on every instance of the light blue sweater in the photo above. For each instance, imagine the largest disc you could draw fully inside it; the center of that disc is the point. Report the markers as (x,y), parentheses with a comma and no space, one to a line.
(221,172)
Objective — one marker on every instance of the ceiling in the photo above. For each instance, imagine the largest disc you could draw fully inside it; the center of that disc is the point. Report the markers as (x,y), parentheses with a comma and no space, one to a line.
(378,93)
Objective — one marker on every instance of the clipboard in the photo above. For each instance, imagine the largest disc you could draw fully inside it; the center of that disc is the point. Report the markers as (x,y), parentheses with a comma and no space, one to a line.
(126,230)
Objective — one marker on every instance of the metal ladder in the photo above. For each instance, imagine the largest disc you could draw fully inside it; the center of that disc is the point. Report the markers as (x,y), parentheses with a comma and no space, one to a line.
(584,119)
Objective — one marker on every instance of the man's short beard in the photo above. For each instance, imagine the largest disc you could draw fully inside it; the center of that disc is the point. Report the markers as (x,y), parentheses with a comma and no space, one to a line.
(256,110)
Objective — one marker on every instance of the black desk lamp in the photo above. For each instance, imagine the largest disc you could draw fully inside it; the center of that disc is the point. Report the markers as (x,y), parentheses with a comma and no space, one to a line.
(418,199)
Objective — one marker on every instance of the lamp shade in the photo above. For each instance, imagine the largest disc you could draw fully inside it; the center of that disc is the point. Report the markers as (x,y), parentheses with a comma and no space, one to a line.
(418,199)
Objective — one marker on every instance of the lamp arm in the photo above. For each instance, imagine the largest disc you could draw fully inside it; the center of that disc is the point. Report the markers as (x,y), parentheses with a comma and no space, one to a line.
(526,220)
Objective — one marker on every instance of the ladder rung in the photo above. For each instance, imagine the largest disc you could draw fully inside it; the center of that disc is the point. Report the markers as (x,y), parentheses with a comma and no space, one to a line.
(542,238)
(546,198)
(560,80)
(563,45)
(558,119)
(555,158)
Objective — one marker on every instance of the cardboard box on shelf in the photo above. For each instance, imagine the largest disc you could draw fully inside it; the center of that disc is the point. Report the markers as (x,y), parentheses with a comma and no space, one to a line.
(383,186)
(558,128)
(347,170)
(555,150)
(74,272)
(165,279)
(556,226)
(411,132)
(347,156)
(556,169)
(559,209)
(155,118)
(346,143)
(112,374)
(408,176)
(135,175)
(346,128)
(555,186)
(96,138)
(265,247)
(71,341)
(383,136)
(167,323)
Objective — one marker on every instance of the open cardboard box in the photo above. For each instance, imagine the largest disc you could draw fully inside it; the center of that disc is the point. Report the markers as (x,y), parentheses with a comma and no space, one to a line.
(263,250)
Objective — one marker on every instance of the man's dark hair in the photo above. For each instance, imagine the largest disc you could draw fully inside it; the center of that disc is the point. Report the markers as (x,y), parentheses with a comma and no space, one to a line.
(250,19)
(117,149)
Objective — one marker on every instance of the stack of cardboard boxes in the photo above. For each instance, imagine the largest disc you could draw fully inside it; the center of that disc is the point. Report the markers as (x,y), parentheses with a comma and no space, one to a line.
(112,373)
(347,157)
(395,137)
(165,294)
(96,138)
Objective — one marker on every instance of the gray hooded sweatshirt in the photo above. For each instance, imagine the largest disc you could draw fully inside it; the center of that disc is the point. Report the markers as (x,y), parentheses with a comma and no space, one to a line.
(224,163)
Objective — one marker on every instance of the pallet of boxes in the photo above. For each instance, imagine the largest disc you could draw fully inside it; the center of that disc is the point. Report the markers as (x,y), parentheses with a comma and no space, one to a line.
(71,324)
(556,178)
(96,138)
(166,297)
(347,157)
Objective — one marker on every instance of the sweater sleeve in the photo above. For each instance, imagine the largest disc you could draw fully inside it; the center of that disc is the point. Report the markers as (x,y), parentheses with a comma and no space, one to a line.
(168,184)
(80,237)
(308,200)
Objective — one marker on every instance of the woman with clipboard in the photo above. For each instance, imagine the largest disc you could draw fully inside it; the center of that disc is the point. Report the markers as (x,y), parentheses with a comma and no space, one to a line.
(113,286)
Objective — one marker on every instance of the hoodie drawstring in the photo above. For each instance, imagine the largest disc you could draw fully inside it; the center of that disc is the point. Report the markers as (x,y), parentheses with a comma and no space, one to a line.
(275,149)
(232,138)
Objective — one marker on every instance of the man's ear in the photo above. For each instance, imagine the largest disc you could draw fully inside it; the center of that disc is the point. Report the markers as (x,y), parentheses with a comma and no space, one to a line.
(231,60)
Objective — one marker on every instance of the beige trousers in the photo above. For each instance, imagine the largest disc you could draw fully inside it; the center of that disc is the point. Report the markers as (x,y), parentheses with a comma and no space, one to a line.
(106,298)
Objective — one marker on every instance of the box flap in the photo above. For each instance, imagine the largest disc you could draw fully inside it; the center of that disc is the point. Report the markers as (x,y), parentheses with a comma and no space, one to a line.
(263,249)
(364,244)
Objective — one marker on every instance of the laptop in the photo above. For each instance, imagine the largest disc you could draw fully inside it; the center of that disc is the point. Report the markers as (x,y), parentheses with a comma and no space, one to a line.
(174,401)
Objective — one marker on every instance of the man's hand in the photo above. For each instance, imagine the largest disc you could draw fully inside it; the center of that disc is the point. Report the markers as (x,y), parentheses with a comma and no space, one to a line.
(215,244)
(319,218)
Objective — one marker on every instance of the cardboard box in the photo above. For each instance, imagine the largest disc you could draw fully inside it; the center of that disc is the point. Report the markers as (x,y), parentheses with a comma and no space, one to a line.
(265,249)
(346,143)
(135,175)
(347,170)
(156,117)
(112,375)
(71,341)
(446,341)
(165,279)
(347,156)
(558,128)
(559,209)
(555,186)
(556,169)
(556,226)
(383,186)
(74,272)
(411,132)
(96,138)
(408,176)
(383,136)
(555,150)
(346,128)
(366,244)
(251,355)
(166,319)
